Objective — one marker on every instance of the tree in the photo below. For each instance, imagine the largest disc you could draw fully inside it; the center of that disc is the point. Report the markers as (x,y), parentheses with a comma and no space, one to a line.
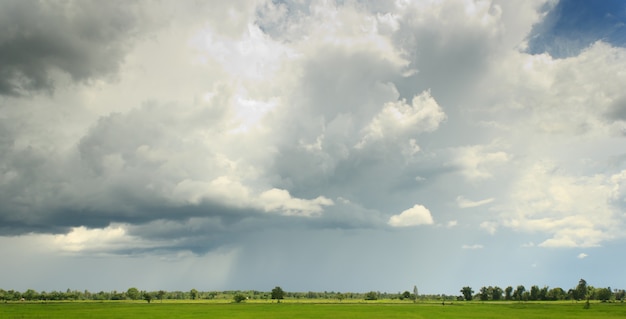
(581,290)
(508,293)
(30,294)
(193,293)
(148,296)
(278,293)
(534,292)
(340,296)
(239,298)
(518,293)
(556,294)
(543,293)
(415,294)
(496,293)
(467,293)
(603,294)
(484,293)
(133,293)
(372,295)
(405,295)
(161,294)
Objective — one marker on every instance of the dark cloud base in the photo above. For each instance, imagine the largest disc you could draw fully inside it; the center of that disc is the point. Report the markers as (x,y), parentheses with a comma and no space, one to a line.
(84,39)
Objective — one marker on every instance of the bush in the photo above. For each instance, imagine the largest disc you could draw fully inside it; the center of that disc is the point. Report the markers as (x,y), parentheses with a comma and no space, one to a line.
(239,298)
(372,295)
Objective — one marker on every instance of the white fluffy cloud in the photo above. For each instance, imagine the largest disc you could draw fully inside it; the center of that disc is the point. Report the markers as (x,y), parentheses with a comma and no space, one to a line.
(414,216)
(574,211)
(398,121)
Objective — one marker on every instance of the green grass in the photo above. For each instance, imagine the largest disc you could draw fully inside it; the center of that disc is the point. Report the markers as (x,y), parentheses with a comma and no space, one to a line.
(85,310)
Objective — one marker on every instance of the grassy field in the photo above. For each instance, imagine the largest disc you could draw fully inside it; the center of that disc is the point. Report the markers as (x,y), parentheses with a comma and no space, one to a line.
(69,310)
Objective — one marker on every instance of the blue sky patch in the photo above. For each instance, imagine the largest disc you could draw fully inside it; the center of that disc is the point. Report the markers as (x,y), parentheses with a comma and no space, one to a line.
(573,25)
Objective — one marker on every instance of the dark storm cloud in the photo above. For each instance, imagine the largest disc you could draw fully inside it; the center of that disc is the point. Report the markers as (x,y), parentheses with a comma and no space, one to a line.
(84,39)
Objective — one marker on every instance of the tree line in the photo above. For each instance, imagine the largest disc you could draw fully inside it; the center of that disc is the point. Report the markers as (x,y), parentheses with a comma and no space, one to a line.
(582,291)
(236,295)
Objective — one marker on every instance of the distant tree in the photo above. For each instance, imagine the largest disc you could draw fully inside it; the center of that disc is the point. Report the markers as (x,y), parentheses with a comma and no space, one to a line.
(496,293)
(603,294)
(518,293)
(133,293)
(193,293)
(239,298)
(581,290)
(415,295)
(508,293)
(30,294)
(278,293)
(556,294)
(405,295)
(591,292)
(340,296)
(619,294)
(484,293)
(148,296)
(467,293)
(534,292)
(161,294)
(13,295)
(543,293)
(372,295)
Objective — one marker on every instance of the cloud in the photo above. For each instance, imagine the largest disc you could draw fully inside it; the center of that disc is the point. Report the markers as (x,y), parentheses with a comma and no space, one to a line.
(417,215)
(540,85)
(490,227)
(472,247)
(582,256)
(85,40)
(182,132)
(399,121)
(462,202)
(280,200)
(476,162)
(576,211)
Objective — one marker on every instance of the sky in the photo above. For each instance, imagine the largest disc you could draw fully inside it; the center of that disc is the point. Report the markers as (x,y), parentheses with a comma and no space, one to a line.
(313,145)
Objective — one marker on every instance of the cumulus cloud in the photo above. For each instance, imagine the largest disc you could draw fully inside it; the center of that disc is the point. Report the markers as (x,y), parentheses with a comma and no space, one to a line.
(576,211)
(399,121)
(417,215)
(280,200)
(582,256)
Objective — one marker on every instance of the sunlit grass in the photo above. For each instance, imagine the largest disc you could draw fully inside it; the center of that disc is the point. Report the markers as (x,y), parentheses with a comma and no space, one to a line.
(318,308)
